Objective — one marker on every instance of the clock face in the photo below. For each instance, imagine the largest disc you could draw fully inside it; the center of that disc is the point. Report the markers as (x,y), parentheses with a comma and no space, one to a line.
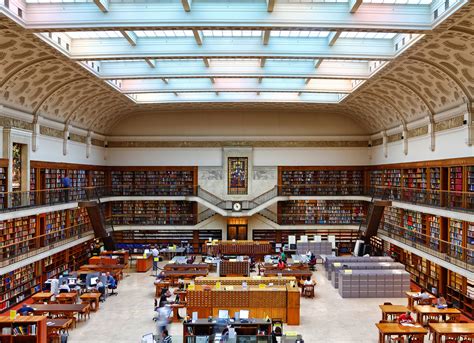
(236,206)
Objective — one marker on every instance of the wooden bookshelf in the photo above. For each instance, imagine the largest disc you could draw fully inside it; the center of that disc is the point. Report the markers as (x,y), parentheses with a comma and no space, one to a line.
(153,236)
(422,271)
(415,227)
(159,181)
(393,218)
(3,181)
(320,212)
(27,329)
(55,227)
(17,236)
(154,212)
(433,224)
(470,243)
(456,186)
(17,285)
(312,181)
(460,293)
(455,233)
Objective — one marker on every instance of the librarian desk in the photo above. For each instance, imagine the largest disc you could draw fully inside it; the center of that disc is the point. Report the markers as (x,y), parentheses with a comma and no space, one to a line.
(123,256)
(41,297)
(276,301)
(186,267)
(423,311)
(452,330)
(60,308)
(392,310)
(67,298)
(144,264)
(92,298)
(204,327)
(249,280)
(414,296)
(175,275)
(396,329)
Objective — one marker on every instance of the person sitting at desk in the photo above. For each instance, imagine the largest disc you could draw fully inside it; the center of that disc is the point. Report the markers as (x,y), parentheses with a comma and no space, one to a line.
(423,297)
(111,283)
(406,318)
(441,303)
(283,256)
(25,310)
(308,281)
(100,287)
(276,333)
(281,264)
(64,288)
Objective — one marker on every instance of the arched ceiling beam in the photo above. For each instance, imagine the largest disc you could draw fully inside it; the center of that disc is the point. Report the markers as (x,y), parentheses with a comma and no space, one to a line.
(428,106)
(446,72)
(53,91)
(24,66)
(82,103)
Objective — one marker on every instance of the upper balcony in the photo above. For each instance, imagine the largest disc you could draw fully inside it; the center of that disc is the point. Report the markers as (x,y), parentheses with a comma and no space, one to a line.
(454,201)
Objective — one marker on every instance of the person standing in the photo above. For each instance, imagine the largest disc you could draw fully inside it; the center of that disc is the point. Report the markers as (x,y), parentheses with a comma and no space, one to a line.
(163,318)
(67,183)
(165,337)
(155,252)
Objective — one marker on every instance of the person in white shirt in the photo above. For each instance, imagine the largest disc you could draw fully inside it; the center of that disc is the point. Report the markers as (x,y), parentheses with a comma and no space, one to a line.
(64,286)
(155,254)
(308,281)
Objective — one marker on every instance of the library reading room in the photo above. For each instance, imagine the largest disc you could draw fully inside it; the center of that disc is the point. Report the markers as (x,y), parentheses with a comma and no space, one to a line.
(241,171)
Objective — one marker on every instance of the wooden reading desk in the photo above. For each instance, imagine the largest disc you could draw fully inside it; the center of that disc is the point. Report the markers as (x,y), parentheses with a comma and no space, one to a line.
(66,298)
(299,274)
(59,308)
(451,329)
(392,310)
(391,329)
(186,266)
(423,311)
(41,297)
(174,275)
(92,298)
(413,296)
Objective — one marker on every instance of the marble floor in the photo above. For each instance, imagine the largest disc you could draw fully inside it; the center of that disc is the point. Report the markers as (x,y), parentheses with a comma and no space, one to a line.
(326,318)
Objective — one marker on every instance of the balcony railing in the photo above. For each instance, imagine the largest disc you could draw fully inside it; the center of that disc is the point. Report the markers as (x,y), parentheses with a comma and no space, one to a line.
(24,248)
(450,200)
(458,255)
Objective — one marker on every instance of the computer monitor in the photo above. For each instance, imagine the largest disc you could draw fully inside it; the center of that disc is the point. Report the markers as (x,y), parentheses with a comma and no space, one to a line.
(94,281)
(72,281)
(223,314)
(244,314)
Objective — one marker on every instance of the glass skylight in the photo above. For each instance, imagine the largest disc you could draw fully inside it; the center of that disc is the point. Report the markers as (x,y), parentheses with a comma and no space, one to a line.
(232,33)
(299,34)
(94,34)
(368,35)
(165,33)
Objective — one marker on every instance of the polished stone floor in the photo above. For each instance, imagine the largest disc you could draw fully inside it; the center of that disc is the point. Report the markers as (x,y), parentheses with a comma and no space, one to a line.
(326,318)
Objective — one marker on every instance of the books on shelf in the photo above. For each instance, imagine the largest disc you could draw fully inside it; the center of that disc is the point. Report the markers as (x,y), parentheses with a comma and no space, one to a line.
(172,182)
(434,225)
(415,229)
(455,238)
(16,285)
(55,227)
(321,182)
(154,213)
(470,243)
(313,212)
(17,236)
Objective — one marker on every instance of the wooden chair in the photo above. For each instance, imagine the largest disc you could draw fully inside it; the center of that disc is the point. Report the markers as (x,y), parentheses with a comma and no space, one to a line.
(308,291)
(86,312)
(417,339)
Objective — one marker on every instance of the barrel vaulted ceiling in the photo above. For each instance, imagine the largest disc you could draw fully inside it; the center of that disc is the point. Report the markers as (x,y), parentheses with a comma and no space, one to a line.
(93,63)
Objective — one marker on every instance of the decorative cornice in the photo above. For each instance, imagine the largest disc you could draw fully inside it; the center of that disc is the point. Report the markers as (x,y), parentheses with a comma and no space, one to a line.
(256,144)
(449,123)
